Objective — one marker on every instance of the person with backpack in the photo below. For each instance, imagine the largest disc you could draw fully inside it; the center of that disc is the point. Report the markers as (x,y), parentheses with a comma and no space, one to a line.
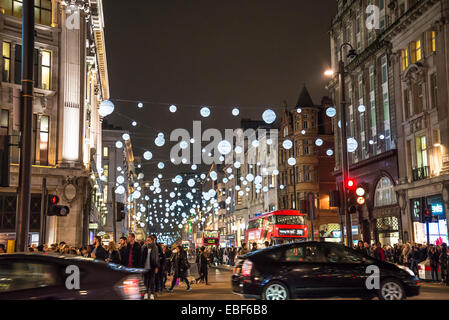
(180,267)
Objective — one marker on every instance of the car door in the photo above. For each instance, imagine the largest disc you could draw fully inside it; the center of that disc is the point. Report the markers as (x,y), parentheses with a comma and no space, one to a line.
(303,268)
(24,280)
(344,270)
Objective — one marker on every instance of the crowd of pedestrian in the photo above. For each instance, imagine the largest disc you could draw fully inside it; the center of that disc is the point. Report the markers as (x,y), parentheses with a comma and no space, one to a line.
(159,261)
(411,255)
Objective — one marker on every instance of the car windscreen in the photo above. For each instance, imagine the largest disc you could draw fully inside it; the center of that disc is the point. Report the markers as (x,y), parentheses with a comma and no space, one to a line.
(289,220)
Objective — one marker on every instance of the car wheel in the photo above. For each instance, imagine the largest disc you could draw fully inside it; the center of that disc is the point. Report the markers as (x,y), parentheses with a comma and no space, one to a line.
(275,291)
(391,289)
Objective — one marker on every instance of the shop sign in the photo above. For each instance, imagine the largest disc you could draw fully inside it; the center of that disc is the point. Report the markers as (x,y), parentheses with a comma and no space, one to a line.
(93,226)
(437,208)
(291,232)
(336,234)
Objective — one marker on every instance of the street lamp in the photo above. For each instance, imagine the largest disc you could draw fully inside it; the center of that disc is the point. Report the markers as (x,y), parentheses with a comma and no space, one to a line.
(344,146)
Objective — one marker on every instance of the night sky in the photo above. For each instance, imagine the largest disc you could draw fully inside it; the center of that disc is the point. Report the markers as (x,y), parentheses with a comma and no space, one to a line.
(249,54)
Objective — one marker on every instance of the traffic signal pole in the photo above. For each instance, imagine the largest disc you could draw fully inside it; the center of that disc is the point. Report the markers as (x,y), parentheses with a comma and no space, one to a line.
(44,207)
(114,216)
(23,212)
(344,147)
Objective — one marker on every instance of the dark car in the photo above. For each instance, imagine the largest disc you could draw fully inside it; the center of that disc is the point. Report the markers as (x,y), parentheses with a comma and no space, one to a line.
(38,276)
(320,270)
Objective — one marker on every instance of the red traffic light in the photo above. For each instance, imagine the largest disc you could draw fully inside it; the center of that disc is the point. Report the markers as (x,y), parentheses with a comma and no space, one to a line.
(350,183)
(53,199)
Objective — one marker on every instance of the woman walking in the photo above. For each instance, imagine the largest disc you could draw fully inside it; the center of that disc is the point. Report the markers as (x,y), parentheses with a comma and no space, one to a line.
(180,267)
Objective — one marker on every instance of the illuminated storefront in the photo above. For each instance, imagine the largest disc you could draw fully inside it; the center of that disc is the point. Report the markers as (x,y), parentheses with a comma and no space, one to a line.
(434,231)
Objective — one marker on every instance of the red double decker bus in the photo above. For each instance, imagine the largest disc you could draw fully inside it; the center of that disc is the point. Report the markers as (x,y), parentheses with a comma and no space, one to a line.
(208,238)
(276,227)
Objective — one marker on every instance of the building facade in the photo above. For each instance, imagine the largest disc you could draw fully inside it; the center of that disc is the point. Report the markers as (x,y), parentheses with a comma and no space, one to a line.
(70,81)
(308,134)
(119,176)
(420,63)
(390,112)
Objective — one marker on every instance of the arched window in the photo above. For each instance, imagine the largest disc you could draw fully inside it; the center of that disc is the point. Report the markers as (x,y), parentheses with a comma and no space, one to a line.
(385,195)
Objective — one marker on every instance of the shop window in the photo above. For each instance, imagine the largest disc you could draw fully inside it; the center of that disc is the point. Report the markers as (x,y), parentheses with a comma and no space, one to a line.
(385,194)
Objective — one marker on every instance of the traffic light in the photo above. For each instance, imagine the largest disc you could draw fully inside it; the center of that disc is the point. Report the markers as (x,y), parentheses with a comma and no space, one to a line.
(54,209)
(120,211)
(350,184)
(426,214)
(356,195)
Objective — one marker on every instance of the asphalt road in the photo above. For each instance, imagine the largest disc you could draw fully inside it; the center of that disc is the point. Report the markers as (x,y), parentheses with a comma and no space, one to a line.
(220,289)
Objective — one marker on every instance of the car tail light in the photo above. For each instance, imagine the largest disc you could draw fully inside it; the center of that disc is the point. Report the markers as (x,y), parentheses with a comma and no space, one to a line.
(246,268)
(130,288)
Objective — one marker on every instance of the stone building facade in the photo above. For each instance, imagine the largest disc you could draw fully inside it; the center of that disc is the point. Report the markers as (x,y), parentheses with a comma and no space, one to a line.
(70,82)
(390,87)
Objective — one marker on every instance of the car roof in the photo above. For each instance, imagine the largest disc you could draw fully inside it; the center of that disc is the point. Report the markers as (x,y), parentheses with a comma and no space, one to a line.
(67,259)
(287,245)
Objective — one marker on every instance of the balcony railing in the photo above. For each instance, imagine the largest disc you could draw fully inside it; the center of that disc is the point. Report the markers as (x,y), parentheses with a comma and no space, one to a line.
(420,173)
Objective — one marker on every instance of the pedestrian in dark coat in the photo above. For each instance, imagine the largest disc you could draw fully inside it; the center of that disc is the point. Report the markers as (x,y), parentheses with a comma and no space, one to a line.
(180,267)
(203,266)
(159,275)
(113,253)
(98,253)
(133,252)
(434,257)
(150,262)
(444,263)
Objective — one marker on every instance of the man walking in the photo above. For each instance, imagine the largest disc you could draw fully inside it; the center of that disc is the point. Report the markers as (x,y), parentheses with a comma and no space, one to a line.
(150,262)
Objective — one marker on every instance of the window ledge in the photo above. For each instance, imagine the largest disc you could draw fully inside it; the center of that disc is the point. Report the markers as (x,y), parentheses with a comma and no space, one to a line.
(47,93)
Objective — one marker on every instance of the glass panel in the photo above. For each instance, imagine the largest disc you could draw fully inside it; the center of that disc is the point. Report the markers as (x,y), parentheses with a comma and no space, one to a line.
(4,119)
(46,58)
(45,78)
(6,50)
(37,15)
(17,10)
(7,5)
(46,17)
(46,4)
(45,123)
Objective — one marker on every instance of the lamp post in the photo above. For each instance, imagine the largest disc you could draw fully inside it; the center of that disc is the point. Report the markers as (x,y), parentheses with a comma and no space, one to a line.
(344,144)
